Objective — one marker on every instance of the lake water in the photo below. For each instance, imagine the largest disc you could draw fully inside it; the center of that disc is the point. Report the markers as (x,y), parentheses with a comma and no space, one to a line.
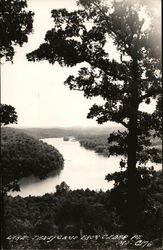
(82,169)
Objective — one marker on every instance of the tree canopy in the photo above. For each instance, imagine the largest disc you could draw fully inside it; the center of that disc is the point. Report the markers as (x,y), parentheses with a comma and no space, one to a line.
(8,114)
(15,25)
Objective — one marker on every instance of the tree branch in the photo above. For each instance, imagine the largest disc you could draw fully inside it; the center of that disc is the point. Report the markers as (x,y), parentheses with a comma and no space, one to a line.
(124,124)
(150,94)
(120,121)
(125,62)
(78,89)
(148,80)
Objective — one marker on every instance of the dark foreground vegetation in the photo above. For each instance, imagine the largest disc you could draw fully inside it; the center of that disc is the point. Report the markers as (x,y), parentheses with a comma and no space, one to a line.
(87,212)
(23,156)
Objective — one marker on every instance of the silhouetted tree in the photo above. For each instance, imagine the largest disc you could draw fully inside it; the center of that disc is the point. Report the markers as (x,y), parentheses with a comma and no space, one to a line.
(84,35)
(8,114)
(15,25)
(63,188)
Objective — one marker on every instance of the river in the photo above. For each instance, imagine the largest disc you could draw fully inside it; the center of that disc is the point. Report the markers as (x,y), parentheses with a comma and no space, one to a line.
(82,169)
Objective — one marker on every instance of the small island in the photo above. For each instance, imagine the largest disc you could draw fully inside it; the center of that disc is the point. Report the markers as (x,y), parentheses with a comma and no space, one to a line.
(66,139)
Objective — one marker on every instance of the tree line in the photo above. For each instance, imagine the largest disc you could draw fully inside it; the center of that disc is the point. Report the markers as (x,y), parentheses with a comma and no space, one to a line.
(99,143)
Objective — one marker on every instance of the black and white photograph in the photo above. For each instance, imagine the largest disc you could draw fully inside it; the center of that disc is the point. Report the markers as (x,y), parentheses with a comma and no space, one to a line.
(81,124)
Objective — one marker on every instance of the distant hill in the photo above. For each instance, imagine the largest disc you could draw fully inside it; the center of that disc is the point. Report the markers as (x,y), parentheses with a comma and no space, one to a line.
(23,156)
(41,133)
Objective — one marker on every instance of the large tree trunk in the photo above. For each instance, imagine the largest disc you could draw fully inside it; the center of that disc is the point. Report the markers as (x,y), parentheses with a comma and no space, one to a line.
(132,185)
(132,195)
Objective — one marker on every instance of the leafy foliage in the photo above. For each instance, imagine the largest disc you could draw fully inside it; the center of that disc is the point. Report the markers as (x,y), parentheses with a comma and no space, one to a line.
(24,156)
(15,25)
(8,114)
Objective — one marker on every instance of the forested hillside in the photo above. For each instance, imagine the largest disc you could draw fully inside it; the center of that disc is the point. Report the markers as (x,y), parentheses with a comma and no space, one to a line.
(24,156)
(41,133)
(99,143)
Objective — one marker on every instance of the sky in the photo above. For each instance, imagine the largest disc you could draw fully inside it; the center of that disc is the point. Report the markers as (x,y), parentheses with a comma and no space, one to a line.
(37,90)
